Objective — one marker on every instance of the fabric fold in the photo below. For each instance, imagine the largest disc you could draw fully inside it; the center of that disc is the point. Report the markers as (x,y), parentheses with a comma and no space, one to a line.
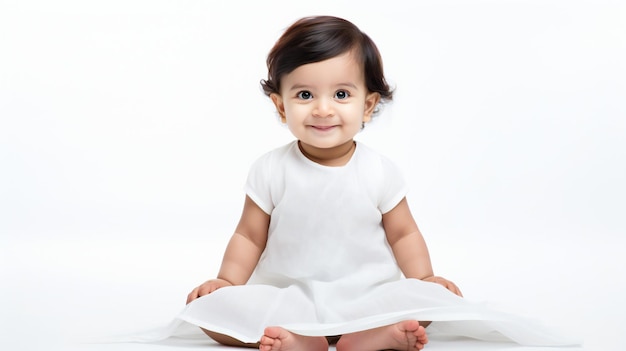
(244,311)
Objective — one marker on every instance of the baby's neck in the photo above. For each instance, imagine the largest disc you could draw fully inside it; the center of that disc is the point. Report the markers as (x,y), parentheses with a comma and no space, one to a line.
(333,157)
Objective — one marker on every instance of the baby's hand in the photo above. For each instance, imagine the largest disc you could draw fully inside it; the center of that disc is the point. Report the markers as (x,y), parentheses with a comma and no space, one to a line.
(446,284)
(206,288)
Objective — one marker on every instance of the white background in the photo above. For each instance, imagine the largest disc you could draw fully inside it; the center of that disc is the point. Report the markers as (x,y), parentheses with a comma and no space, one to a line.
(127,129)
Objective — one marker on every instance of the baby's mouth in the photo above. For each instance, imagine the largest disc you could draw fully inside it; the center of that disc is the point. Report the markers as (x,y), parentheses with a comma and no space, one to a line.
(323,128)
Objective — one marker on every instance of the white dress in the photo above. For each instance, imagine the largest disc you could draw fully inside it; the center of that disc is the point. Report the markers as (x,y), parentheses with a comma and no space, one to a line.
(327,268)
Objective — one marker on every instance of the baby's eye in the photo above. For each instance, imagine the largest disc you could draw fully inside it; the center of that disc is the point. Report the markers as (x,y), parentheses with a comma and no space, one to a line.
(305,95)
(342,94)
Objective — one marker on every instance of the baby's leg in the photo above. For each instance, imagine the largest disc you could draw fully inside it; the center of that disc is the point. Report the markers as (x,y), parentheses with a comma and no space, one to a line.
(229,341)
(406,335)
(279,339)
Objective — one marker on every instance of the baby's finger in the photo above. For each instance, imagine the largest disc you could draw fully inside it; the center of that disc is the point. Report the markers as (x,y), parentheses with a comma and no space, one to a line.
(192,295)
(204,289)
(212,288)
(455,289)
(207,288)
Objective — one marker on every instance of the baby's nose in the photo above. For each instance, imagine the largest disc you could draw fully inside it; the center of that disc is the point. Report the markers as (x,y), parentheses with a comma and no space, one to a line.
(323,108)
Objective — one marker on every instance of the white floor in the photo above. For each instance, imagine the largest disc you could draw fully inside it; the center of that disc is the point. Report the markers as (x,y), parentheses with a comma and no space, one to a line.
(57,293)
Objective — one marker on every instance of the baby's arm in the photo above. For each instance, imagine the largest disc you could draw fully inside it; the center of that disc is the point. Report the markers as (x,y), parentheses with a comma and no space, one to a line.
(242,253)
(409,247)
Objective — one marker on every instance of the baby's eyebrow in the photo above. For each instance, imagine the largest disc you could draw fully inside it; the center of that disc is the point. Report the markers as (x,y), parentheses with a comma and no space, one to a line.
(304,86)
(299,87)
(350,85)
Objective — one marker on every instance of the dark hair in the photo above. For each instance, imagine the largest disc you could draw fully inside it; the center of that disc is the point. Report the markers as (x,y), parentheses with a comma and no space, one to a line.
(315,39)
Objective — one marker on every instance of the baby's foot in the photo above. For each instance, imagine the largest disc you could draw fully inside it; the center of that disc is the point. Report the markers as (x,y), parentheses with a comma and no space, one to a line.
(414,337)
(279,339)
(406,335)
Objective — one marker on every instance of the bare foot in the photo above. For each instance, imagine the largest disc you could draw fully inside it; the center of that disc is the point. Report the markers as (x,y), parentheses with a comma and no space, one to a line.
(279,339)
(404,336)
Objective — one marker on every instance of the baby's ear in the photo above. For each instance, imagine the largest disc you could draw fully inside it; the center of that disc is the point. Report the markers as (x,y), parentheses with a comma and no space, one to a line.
(371,101)
(280,106)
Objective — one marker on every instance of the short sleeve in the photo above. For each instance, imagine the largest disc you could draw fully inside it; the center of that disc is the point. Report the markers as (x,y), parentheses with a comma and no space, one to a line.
(258,186)
(394,186)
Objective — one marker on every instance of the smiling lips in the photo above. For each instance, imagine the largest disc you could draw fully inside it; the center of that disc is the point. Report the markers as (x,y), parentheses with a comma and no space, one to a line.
(323,128)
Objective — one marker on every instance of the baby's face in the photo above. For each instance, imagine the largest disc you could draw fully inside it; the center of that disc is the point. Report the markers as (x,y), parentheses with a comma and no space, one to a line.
(325,103)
